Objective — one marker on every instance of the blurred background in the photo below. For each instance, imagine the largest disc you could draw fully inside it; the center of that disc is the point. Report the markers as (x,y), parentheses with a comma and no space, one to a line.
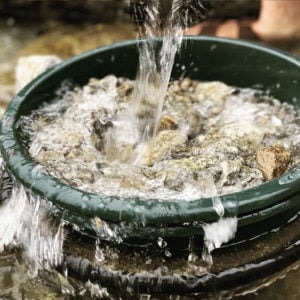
(69,27)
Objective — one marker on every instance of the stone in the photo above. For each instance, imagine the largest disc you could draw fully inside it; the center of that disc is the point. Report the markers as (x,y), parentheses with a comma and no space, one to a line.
(212,96)
(125,89)
(246,135)
(186,83)
(167,122)
(177,172)
(163,145)
(30,67)
(194,123)
(102,121)
(273,161)
(230,168)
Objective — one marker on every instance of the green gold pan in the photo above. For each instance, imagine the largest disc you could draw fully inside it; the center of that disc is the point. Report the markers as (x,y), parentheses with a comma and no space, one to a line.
(234,62)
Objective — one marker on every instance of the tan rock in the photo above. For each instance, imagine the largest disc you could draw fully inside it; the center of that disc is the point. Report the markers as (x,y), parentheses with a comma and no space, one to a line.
(163,145)
(273,161)
(167,122)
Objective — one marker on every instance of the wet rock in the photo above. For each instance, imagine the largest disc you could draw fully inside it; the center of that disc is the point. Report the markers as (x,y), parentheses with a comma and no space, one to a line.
(163,144)
(194,124)
(70,139)
(212,96)
(50,155)
(77,174)
(230,168)
(196,152)
(246,135)
(178,172)
(125,89)
(186,84)
(102,121)
(273,161)
(30,67)
(167,122)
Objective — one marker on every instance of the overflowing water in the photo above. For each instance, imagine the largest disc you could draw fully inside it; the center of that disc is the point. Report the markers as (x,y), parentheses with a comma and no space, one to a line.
(26,226)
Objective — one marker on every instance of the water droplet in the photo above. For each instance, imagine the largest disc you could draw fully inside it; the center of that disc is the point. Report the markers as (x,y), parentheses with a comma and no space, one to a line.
(38,172)
(218,206)
(193,257)
(6,121)
(148,261)
(161,243)
(104,231)
(99,254)
(11,152)
(213,47)
(85,198)
(145,297)
(168,253)
(290,177)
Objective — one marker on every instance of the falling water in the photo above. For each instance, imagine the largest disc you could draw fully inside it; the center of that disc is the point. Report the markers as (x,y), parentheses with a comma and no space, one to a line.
(25,225)
(156,59)
(155,66)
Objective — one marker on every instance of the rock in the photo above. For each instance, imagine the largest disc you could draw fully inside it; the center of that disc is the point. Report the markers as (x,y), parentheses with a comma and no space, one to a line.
(125,89)
(102,120)
(163,145)
(230,168)
(194,123)
(179,171)
(167,122)
(246,135)
(30,67)
(70,139)
(273,161)
(186,83)
(77,174)
(212,96)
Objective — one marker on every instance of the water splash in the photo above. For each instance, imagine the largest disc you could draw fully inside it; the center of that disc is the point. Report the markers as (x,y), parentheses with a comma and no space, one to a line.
(96,290)
(216,234)
(24,224)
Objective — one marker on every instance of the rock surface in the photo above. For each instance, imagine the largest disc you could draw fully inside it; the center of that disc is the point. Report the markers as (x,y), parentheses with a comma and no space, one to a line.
(273,161)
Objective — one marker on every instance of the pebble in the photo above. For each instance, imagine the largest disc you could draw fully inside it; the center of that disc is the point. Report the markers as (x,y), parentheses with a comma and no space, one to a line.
(273,161)
(167,122)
